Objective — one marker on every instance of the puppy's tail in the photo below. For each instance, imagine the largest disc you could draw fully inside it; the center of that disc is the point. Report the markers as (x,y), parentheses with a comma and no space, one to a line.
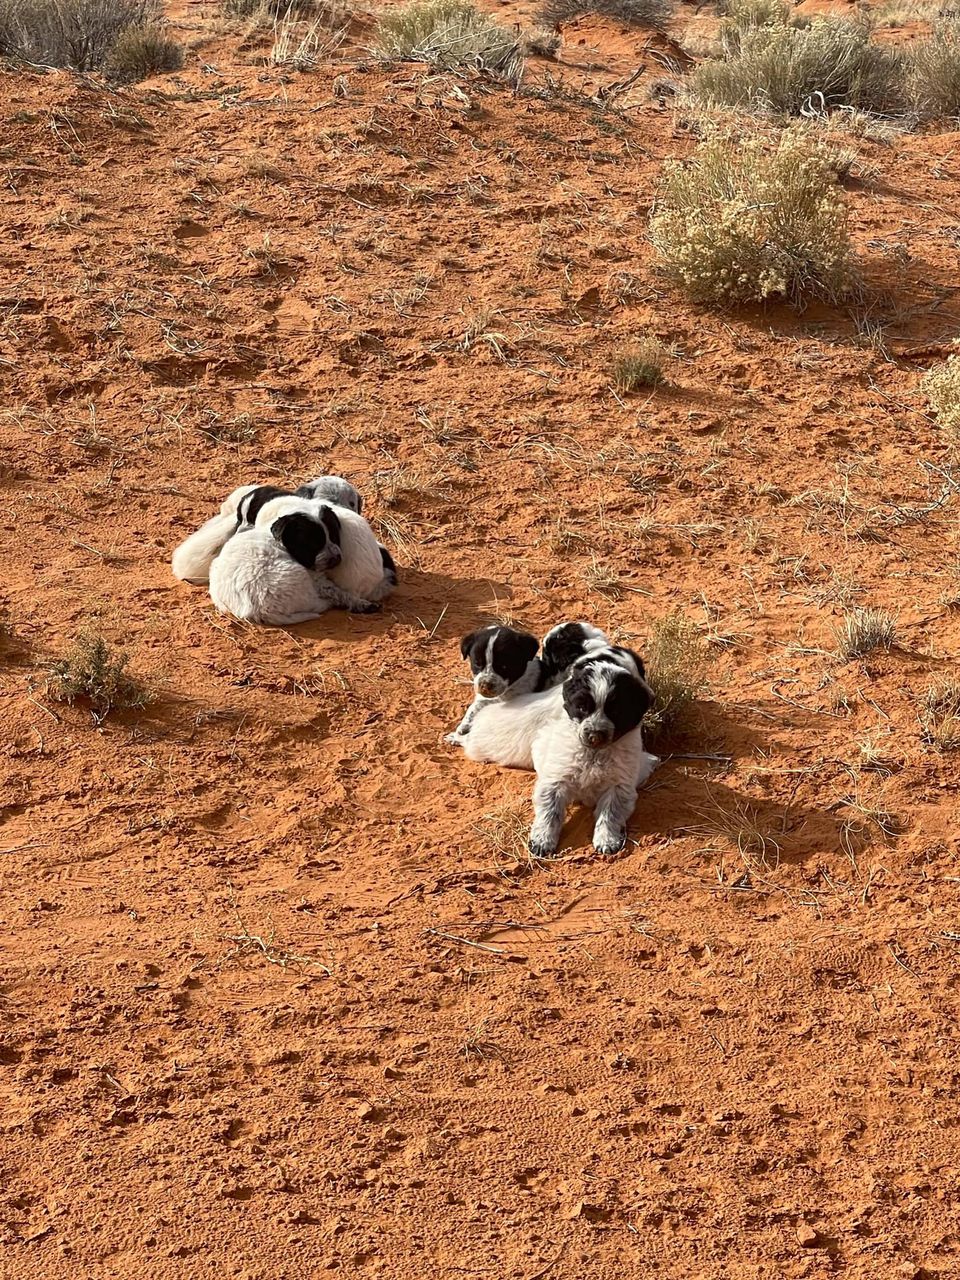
(563,646)
(192,559)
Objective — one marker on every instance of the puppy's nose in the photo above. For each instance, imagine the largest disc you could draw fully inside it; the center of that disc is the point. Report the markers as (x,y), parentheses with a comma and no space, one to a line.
(597,739)
(486,690)
(334,557)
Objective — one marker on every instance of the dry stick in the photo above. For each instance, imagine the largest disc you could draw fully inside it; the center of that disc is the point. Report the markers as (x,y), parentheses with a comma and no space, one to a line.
(686,755)
(451,937)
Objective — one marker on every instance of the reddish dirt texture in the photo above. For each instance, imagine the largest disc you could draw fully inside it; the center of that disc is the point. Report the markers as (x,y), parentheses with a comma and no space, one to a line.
(280,994)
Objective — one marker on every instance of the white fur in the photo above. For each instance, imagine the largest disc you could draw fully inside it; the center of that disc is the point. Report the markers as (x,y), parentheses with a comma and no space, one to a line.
(193,558)
(360,572)
(255,579)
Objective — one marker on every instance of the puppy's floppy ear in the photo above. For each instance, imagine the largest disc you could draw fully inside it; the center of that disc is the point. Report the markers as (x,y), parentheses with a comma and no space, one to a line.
(331,522)
(466,644)
(528,645)
(631,653)
(359,503)
(302,537)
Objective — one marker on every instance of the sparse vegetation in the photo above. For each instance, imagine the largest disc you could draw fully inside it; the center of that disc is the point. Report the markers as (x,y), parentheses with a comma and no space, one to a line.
(640,13)
(940,715)
(941,385)
(779,66)
(301,46)
(449,34)
(93,673)
(934,72)
(85,34)
(268,10)
(863,631)
(741,222)
(139,52)
(642,365)
(677,660)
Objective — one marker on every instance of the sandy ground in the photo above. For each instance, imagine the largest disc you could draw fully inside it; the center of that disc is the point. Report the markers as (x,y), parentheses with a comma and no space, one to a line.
(280,993)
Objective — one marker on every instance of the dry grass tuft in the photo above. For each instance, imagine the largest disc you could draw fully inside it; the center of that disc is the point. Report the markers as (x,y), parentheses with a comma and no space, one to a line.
(863,631)
(301,46)
(643,365)
(741,222)
(139,52)
(933,72)
(80,34)
(801,70)
(676,658)
(449,34)
(941,385)
(640,13)
(940,715)
(92,673)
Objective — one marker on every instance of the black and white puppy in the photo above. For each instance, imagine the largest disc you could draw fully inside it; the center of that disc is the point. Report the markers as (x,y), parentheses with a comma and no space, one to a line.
(505,664)
(194,556)
(275,573)
(584,740)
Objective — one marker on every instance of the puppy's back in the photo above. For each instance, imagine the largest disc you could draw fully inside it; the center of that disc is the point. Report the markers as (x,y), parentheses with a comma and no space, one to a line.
(504,732)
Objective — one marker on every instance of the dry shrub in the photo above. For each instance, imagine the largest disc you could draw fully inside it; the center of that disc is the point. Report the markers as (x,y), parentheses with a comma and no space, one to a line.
(139,52)
(934,72)
(740,222)
(781,67)
(640,13)
(92,673)
(80,34)
(268,10)
(940,715)
(303,45)
(643,365)
(941,385)
(676,659)
(864,630)
(449,34)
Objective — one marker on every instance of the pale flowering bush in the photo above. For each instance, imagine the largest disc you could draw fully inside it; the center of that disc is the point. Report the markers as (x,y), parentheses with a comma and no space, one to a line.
(741,222)
(941,385)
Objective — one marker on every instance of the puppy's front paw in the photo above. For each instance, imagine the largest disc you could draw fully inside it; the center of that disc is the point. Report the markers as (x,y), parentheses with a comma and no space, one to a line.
(609,842)
(453,738)
(367,606)
(541,848)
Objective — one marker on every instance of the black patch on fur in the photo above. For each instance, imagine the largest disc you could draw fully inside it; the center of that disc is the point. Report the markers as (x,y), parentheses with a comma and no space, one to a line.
(513,651)
(302,537)
(250,505)
(631,653)
(389,567)
(331,522)
(560,651)
(626,702)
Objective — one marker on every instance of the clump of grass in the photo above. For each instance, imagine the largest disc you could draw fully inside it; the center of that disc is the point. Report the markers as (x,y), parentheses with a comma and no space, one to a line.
(302,47)
(268,9)
(677,659)
(941,385)
(740,222)
(863,631)
(801,70)
(92,673)
(940,715)
(449,34)
(139,52)
(639,13)
(642,365)
(80,34)
(934,72)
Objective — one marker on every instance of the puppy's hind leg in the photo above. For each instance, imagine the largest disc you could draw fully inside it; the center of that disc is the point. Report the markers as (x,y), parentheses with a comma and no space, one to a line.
(549,809)
(335,597)
(611,817)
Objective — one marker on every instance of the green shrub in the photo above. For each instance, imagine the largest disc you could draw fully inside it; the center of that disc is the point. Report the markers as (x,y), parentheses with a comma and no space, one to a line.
(934,72)
(802,70)
(741,223)
(139,52)
(92,673)
(642,365)
(449,34)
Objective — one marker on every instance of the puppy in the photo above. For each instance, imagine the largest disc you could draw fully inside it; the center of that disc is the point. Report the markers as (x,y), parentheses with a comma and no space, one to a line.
(504,662)
(584,740)
(365,575)
(273,574)
(193,558)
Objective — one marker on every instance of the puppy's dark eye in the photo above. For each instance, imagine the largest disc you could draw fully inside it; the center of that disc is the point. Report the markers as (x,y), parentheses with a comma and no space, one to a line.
(583,707)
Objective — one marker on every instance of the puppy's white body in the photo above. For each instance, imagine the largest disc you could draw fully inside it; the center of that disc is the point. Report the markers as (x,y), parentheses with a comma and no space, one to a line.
(254,579)
(503,730)
(360,571)
(192,559)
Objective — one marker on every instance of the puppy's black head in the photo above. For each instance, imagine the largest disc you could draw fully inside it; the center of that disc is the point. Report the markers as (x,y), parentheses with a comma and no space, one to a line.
(606,696)
(250,504)
(307,541)
(498,657)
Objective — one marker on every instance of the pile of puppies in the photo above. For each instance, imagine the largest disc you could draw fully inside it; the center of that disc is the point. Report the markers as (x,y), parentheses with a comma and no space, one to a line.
(573,715)
(278,557)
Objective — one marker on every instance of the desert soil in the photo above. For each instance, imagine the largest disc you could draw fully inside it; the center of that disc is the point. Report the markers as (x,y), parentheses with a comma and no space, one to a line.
(281,994)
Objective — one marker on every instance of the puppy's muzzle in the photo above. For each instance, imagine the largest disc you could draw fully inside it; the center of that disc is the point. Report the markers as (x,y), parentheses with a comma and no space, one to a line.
(487,689)
(598,737)
(333,557)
